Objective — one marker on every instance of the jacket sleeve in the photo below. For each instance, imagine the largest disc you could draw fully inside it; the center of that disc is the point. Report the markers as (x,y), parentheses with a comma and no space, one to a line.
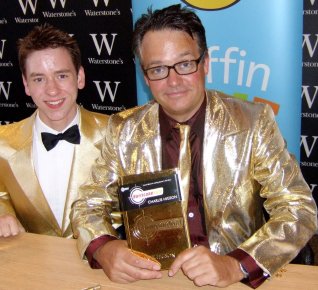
(5,201)
(96,212)
(288,201)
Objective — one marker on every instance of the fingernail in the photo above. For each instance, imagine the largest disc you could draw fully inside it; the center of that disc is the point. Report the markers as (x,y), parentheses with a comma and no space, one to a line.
(156,267)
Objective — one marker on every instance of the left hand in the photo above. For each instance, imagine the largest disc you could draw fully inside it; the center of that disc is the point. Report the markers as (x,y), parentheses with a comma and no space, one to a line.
(10,226)
(204,267)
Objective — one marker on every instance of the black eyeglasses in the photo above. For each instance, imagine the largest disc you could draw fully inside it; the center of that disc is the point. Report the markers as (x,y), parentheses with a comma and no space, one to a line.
(181,68)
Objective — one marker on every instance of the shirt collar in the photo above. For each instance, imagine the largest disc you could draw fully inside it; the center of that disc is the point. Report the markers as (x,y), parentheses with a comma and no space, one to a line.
(167,124)
(40,126)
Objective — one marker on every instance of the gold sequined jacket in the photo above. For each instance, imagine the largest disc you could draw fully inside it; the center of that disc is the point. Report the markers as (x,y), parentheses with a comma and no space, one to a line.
(20,190)
(246,169)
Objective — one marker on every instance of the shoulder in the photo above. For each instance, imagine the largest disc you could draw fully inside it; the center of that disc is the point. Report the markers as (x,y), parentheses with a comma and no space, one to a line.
(11,130)
(16,134)
(136,121)
(239,110)
(93,119)
(135,114)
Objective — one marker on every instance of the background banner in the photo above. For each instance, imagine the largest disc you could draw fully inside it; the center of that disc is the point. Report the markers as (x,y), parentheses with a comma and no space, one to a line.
(255,50)
(103,29)
(309,120)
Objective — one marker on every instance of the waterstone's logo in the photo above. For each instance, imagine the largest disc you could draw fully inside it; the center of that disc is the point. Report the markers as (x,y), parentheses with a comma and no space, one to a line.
(310,44)
(309,148)
(309,93)
(5,89)
(97,1)
(32,4)
(104,42)
(5,92)
(138,196)
(211,4)
(2,42)
(107,88)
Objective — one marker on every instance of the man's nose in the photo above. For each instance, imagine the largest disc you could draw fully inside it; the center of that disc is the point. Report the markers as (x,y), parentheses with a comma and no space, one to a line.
(173,78)
(51,87)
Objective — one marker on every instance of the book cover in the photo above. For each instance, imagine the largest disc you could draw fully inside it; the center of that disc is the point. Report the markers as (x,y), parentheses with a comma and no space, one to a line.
(154,219)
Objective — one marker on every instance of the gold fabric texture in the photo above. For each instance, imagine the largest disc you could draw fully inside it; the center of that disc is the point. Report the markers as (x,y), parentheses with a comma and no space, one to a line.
(246,167)
(20,191)
(184,163)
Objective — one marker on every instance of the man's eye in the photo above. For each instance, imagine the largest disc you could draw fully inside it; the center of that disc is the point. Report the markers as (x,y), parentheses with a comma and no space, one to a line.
(63,76)
(157,70)
(37,80)
(185,65)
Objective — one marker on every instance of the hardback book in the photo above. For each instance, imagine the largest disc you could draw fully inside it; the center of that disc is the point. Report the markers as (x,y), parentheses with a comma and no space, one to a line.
(153,213)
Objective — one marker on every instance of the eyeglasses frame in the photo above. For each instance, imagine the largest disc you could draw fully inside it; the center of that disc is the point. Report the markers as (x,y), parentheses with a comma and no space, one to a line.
(197,61)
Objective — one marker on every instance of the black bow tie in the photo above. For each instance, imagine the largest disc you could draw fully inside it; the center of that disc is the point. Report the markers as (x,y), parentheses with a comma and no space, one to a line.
(71,135)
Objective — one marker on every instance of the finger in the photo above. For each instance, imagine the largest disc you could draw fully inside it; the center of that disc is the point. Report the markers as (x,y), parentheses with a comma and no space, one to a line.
(141,268)
(144,274)
(5,230)
(130,273)
(202,280)
(180,260)
(147,261)
(145,264)
(14,228)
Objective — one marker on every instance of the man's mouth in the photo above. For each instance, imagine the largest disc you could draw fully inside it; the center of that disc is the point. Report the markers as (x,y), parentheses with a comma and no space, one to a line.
(55,103)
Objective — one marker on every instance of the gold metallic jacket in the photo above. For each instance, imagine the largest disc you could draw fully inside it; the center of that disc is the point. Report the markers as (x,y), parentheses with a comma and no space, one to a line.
(20,191)
(246,167)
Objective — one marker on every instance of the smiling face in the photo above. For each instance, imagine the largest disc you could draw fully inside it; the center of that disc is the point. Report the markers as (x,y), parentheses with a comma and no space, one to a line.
(179,95)
(52,82)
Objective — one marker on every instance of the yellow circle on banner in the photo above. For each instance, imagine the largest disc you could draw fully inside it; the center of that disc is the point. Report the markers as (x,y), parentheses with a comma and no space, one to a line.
(211,4)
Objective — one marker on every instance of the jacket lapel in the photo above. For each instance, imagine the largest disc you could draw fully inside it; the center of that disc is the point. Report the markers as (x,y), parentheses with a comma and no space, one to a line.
(22,167)
(143,153)
(221,156)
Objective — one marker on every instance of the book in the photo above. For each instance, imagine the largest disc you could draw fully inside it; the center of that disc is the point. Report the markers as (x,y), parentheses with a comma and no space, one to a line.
(153,214)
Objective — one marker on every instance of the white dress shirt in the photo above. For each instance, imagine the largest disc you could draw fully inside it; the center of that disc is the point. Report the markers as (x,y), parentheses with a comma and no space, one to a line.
(53,167)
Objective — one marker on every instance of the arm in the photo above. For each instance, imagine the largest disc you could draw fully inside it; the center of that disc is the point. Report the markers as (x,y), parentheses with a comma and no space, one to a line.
(293,212)
(96,214)
(9,224)
(96,210)
(288,200)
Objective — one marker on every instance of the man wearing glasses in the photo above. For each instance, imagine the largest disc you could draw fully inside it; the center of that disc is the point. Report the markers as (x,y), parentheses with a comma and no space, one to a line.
(239,166)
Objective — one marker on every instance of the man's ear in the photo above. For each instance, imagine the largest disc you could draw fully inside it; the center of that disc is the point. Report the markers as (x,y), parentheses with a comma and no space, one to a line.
(81,78)
(26,86)
(206,63)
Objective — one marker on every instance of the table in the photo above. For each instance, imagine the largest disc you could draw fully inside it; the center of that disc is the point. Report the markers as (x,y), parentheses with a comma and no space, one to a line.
(30,261)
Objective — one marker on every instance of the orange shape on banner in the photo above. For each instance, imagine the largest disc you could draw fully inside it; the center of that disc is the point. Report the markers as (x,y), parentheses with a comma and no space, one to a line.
(274,106)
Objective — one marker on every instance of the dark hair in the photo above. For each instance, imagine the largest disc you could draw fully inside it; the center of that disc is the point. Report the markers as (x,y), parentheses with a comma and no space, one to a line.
(173,17)
(47,36)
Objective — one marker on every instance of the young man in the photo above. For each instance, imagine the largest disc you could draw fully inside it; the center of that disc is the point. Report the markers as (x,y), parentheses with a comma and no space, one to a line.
(240,165)
(38,184)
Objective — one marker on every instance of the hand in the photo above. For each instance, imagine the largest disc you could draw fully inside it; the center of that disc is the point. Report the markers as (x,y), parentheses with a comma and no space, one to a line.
(204,267)
(122,266)
(10,226)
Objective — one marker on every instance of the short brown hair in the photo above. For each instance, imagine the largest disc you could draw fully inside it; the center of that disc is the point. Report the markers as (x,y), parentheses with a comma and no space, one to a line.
(47,36)
(174,17)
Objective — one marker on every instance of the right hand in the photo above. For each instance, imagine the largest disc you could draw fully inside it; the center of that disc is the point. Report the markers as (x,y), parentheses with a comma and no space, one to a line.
(122,266)
(10,226)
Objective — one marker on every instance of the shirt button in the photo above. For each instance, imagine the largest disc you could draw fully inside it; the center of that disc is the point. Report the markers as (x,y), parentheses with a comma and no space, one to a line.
(191,214)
